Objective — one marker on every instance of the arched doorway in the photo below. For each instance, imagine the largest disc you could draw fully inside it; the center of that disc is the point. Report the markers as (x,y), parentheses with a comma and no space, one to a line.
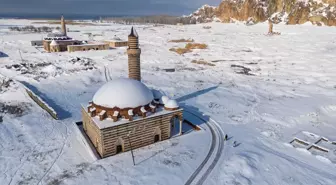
(156,138)
(118,149)
(119,145)
(157,134)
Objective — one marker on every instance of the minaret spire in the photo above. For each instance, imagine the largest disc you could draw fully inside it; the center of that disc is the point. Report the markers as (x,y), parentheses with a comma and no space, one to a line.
(133,51)
(63,26)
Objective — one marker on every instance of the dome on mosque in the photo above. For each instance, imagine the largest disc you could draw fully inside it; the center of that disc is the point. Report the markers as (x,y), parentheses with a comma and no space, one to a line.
(164,100)
(123,93)
(171,104)
(54,43)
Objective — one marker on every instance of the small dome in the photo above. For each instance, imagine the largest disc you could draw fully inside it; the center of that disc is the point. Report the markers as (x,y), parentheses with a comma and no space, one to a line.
(58,32)
(164,99)
(116,38)
(54,43)
(123,93)
(171,104)
(157,94)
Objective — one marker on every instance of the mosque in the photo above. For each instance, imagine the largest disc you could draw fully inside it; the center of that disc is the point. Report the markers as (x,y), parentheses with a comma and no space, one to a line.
(125,114)
(58,41)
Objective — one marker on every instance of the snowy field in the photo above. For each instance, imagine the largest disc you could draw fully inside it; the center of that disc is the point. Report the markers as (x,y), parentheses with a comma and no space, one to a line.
(290,89)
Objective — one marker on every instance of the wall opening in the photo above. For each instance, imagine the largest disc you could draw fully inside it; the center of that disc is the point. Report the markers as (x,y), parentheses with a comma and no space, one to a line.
(119,149)
(174,125)
(156,138)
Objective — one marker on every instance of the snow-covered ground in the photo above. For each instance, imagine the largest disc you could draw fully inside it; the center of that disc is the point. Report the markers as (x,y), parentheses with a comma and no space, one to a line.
(291,90)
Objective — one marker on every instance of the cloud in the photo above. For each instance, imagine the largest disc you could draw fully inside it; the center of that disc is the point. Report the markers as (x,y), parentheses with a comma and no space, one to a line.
(102,7)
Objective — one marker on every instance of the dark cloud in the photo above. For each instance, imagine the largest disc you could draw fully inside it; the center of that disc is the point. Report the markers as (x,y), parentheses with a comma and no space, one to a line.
(102,7)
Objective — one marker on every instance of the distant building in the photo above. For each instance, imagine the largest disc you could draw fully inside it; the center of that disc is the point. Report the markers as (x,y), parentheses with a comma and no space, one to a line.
(36,43)
(87,47)
(125,114)
(64,43)
(116,42)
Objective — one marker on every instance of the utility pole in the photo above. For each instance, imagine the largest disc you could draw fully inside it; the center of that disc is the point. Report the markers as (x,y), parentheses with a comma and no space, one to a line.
(129,140)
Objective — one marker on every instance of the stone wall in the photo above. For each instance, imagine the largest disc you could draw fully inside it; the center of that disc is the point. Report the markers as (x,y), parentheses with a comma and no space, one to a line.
(36,42)
(87,47)
(115,44)
(92,131)
(62,44)
(142,131)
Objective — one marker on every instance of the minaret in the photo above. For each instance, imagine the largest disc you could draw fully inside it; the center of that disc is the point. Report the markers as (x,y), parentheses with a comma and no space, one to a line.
(133,53)
(63,26)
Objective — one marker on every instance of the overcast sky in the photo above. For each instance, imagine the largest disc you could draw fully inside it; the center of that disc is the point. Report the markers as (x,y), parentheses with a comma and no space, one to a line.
(102,7)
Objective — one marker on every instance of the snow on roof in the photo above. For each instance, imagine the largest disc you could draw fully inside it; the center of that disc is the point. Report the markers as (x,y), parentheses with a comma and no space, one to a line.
(172,104)
(164,99)
(54,43)
(92,109)
(116,38)
(143,109)
(152,106)
(130,112)
(116,113)
(108,122)
(102,112)
(123,93)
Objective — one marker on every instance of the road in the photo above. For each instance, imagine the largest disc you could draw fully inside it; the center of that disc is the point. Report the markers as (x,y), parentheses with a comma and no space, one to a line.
(216,148)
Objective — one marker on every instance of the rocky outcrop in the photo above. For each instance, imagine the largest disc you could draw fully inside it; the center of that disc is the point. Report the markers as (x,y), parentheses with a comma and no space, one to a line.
(289,11)
(204,14)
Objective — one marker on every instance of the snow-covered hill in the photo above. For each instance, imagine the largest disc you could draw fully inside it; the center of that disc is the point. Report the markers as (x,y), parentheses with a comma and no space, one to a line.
(262,91)
(319,12)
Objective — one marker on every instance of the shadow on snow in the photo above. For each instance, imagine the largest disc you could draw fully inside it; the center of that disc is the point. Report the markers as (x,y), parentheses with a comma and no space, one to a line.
(61,113)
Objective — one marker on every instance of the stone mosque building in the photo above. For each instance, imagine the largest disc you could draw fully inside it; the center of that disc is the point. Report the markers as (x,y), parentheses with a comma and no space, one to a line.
(125,114)
(58,41)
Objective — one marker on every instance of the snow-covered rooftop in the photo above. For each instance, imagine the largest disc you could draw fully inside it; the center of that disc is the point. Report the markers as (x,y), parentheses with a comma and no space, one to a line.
(108,122)
(123,93)
(164,99)
(171,104)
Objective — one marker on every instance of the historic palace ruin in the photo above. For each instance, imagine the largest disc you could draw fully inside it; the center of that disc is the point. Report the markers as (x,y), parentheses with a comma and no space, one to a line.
(124,113)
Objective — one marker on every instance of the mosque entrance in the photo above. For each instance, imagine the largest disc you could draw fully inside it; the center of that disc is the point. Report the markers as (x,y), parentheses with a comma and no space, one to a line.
(156,138)
(119,149)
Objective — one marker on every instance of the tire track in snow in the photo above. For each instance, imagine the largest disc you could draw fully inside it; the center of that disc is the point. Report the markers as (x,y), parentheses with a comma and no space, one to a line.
(217,136)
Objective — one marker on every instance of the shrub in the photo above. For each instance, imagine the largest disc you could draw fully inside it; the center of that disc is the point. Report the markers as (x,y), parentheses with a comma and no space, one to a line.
(202,62)
(180,51)
(196,46)
(182,40)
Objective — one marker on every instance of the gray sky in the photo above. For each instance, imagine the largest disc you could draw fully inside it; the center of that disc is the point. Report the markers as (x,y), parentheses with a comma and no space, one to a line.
(102,7)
